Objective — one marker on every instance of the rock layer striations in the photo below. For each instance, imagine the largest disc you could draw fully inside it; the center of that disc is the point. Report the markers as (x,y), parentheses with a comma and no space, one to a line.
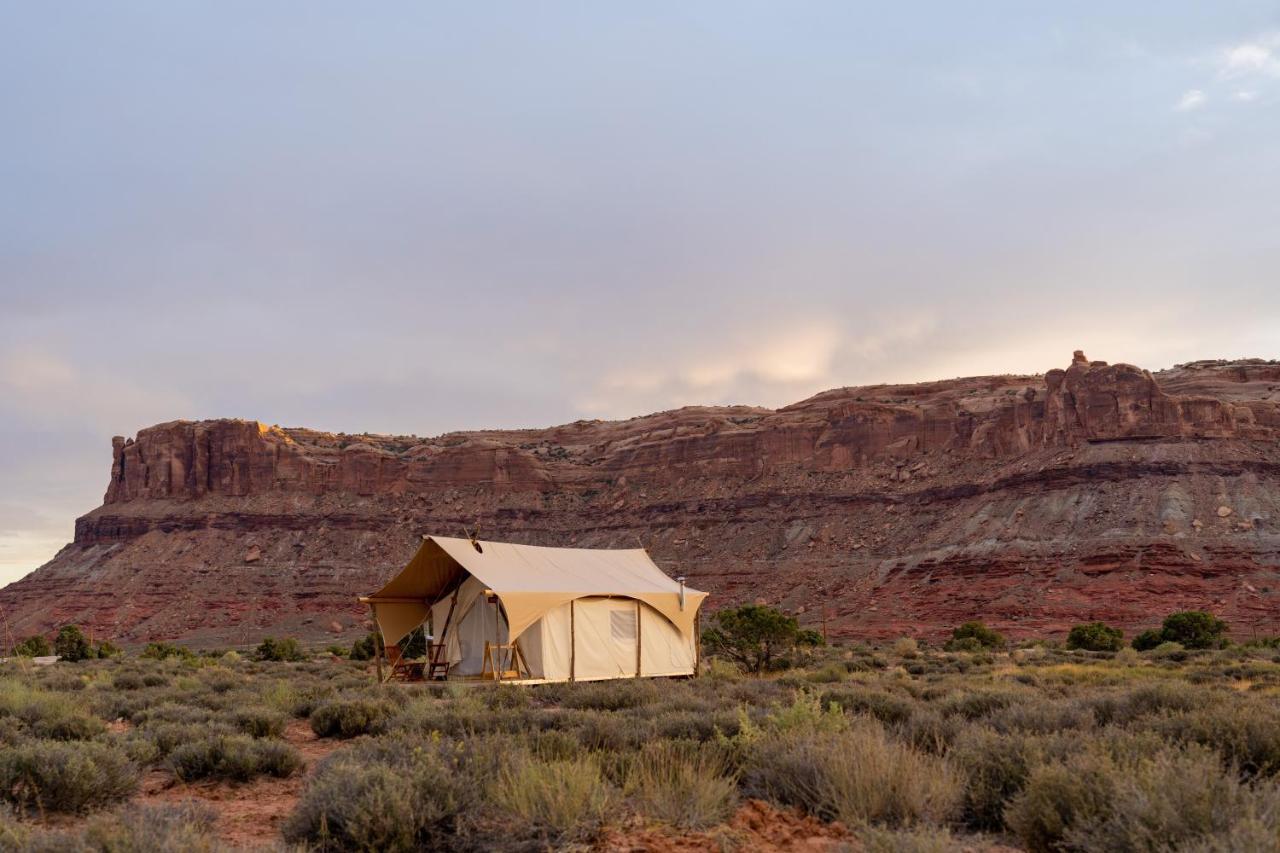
(1034,502)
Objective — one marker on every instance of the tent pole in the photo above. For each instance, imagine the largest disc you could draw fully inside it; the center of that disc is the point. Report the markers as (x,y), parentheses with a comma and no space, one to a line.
(637,638)
(573,647)
(377,639)
(697,640)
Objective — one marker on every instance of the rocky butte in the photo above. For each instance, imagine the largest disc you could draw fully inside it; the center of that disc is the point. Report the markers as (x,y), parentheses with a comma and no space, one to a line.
(1034,502)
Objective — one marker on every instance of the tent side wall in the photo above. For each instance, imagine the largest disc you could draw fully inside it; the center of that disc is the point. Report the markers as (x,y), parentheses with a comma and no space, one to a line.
(597,638)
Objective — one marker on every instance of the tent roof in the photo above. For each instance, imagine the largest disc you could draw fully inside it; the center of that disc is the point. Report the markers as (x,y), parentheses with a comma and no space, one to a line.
(529,580)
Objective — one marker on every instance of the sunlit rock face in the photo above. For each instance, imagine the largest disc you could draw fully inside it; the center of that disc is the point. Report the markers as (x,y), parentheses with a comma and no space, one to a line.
(1094,492)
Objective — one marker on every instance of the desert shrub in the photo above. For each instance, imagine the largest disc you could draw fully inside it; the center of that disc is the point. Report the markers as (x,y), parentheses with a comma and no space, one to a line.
(165,737)
(930,731)
(608,730)
(128,681)
(64,777)
(827,674)
(720,670)
(906,647)
(235,757)
(1245,733)
(13,832)
(219,679)
(71,644)
(857,775)
(284,649)
(259,721)
(164,651)
(885,707)
(974,636)
(1147,640)
(1058,796)
(34,646)
(562,798)
(176,828)
(1095,637)
(695,725)
(610,695)
(46,715)
(1095,801)
(365,648)
(303,701)
(1193,629)
(392,794)
(1128,657)
(995,767)
(106,649)
(1041,716)
(461,717)
(751,636)
(973,704)
(916,839)
(682,784)
(347,718)
(1146,700)
(173,712)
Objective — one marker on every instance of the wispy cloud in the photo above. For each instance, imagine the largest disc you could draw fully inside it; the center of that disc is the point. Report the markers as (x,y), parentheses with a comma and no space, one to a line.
(1193,99)
(1260,55)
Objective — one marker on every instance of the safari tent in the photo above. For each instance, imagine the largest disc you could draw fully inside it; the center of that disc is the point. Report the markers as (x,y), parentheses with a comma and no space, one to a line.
(494,610)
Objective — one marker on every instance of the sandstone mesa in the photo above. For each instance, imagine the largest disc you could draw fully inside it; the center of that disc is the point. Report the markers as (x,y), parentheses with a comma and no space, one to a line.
(1034,502)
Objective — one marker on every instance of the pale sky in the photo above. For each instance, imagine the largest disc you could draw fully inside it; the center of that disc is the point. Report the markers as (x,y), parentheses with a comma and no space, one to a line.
(415,218)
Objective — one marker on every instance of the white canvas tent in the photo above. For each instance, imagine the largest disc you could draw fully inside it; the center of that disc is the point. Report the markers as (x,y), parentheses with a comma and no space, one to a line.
(575,614)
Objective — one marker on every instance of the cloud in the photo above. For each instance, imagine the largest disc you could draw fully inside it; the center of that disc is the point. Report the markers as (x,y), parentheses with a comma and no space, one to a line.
(1244,96)
(1259,56)
(767,367)
(38,386)
(1192,100)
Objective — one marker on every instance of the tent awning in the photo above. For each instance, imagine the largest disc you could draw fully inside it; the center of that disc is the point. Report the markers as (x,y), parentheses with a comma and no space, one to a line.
(529,580)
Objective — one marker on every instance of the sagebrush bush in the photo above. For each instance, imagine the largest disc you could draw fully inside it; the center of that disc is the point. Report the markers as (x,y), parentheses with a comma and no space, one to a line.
(395,794)
(885,707)
(563,798)
(182,828)
(235,757)
(682,784)
(347,718)
(260,721)
(1095,801)
(996,768)
(165,737)
(610,695)
(43,714)
(13,832)
(65,777)
(1246,734)
(857,775)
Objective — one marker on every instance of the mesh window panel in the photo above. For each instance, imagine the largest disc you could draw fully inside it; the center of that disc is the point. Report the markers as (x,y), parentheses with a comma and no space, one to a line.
(622,625)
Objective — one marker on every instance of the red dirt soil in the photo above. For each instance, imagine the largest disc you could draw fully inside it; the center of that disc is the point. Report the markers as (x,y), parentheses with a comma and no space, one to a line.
(249,814)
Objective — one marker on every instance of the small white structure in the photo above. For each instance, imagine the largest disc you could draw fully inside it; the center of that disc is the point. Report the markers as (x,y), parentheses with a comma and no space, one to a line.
(522,612)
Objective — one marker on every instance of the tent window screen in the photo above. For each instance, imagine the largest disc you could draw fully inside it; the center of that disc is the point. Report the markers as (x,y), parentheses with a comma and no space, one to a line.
(622,625)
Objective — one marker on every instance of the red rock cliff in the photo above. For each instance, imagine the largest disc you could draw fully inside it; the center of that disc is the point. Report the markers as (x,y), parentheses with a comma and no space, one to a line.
(1098,491)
